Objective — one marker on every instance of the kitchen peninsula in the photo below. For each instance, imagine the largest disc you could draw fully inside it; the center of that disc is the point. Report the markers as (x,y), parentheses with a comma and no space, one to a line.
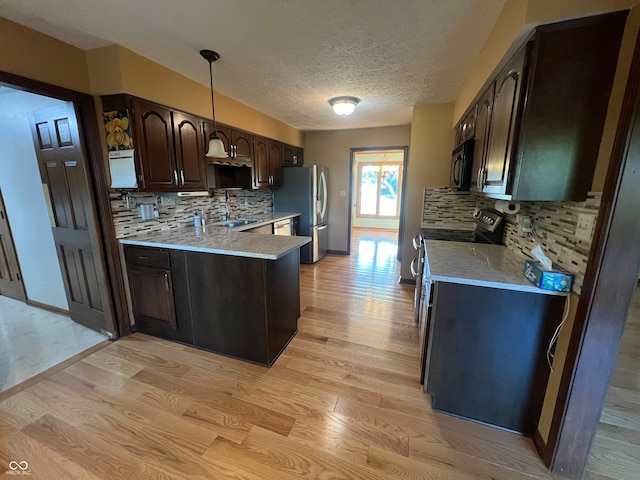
(231,292)
(485,334)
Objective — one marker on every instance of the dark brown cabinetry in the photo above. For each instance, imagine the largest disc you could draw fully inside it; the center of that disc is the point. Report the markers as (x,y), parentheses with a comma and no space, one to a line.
(237,143)
(159,292)
(169,145)
(267,163)
(546,109)
(506,102)
(490,365)
(181,295)
(483,111)
(292,156)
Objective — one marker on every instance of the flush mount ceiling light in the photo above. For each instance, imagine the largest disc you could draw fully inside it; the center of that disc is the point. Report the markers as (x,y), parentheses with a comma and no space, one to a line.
(216,147)
(344,106)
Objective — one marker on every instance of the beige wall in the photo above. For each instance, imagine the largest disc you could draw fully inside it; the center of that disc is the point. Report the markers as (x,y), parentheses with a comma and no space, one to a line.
(432,139)
(115,69)
(33,55)
(332,149)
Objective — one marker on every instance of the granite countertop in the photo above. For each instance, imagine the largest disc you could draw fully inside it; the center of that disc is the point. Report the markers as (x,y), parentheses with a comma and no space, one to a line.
(477,264)
(223,240)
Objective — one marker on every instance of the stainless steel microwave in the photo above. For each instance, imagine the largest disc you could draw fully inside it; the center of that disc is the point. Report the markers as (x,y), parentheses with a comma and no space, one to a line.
(461,164)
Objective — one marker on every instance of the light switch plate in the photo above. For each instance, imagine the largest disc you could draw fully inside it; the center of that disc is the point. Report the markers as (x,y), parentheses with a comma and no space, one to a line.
(584,226)
(343,193)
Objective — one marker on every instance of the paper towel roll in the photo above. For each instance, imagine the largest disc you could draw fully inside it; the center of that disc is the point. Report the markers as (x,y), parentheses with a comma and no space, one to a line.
(510,208)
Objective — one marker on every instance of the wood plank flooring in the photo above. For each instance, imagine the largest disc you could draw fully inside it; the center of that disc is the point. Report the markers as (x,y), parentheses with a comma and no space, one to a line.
(616,448)
(342,402)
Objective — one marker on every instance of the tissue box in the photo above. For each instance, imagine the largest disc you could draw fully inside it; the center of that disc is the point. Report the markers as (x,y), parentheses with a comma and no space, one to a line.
(547,279)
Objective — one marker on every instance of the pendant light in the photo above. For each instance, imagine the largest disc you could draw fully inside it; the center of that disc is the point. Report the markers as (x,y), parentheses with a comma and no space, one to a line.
(216,147)
(344,106)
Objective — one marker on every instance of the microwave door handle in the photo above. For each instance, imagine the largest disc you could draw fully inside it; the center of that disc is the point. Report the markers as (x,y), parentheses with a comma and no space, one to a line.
(457,164)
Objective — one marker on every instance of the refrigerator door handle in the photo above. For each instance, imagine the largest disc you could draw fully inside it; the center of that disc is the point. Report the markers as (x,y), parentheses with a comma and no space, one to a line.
(323,183)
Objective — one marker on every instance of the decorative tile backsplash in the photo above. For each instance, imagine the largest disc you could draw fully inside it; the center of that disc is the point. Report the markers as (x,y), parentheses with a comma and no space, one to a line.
(127,220)
(446,208)
(554,224)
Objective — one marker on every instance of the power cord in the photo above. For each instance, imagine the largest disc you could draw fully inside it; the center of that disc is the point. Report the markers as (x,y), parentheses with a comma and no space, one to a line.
(556,334)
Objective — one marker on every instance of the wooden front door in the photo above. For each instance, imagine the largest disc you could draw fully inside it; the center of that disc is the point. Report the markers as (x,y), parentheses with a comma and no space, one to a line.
(63,167)
(10,277)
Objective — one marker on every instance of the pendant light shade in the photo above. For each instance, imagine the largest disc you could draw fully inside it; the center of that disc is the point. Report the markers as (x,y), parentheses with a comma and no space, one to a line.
(216,147)
(344,106)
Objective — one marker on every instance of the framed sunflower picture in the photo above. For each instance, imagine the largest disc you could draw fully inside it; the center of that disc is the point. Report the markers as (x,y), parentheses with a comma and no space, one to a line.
(117,128)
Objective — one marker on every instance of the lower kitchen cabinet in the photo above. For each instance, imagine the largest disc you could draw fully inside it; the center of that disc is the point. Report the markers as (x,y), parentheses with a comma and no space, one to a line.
(486,353)
(247,308)
(159,292)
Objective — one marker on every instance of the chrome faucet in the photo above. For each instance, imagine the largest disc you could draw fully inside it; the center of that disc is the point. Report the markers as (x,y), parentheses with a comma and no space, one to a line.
(227,215)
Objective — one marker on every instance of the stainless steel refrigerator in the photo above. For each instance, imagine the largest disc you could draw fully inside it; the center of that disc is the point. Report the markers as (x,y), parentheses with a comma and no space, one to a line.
(304,190)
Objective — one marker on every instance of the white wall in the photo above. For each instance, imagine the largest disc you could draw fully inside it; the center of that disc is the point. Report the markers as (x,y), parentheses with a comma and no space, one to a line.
(24,200)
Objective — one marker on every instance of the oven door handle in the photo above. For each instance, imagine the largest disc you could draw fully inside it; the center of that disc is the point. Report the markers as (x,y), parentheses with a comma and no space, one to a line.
(413,267)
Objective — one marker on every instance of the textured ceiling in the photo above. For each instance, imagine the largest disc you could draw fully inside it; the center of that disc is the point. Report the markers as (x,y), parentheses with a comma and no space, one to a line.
(286,58)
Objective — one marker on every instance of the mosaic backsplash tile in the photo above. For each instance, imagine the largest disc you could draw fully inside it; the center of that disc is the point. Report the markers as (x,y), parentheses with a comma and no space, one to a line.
(127,220)
(554,224)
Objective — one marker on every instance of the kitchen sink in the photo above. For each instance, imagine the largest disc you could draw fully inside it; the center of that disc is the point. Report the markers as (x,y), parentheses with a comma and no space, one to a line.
(237,222)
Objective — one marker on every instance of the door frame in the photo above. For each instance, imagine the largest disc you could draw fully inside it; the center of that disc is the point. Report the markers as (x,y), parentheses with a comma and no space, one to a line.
(610,279)
(353,151)
(98,186)
(23,290)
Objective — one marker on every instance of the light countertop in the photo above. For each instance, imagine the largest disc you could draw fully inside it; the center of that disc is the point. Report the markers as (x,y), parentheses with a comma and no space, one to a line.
(477,264)
(223,240)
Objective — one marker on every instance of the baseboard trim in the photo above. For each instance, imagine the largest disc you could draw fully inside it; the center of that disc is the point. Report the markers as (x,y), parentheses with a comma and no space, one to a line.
(407,281)
(49,308)
(338,252)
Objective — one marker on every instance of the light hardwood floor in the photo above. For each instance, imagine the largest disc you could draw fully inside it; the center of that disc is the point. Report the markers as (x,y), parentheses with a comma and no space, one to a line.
(616,449)
(342,402)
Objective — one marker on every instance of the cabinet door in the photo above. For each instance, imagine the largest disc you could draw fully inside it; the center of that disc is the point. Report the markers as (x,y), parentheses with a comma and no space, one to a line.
(298,156)
(188,133)
(504,119)
(261,173)
(152,295)
(288,155)
(242,144)
(153,138)
(224,134)
(481,141)
(275,163)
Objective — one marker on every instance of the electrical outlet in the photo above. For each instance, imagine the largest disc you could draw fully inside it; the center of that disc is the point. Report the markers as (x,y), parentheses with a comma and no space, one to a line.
(525,225)
(584,227)
(343,193)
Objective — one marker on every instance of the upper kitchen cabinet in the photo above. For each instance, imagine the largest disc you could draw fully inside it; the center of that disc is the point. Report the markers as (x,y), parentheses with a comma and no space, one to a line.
(238,144)
(482,111)
(497,160)
(539,122)
(292,156)
(267,163)
(169,145)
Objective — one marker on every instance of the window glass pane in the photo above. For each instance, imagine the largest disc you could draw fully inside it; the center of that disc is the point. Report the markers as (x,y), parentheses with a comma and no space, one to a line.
(369,189)
(389,190)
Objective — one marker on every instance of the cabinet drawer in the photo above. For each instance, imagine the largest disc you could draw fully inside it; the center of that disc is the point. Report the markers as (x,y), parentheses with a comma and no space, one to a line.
(147,257)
